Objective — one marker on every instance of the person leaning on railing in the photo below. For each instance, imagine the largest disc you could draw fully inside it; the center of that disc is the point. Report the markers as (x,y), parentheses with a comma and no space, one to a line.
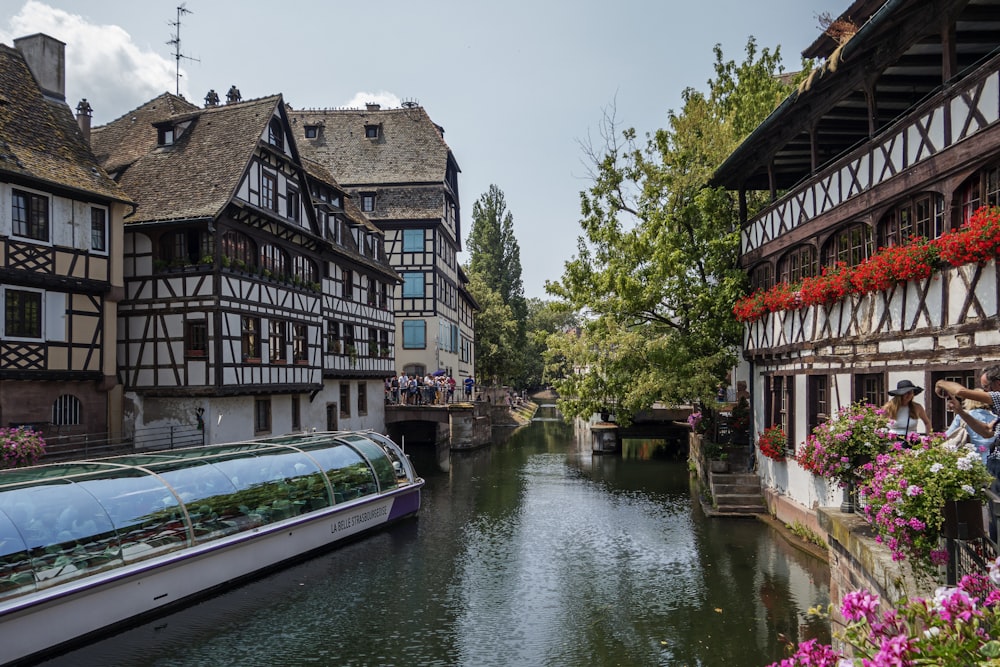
(989,381)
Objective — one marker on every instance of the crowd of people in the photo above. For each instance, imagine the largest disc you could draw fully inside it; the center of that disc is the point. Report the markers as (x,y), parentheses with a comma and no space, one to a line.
(431,389)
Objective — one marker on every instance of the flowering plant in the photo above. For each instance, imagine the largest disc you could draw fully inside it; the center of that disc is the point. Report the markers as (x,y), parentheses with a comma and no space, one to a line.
(906,495)
(771,443)
(694,420)
(977,241)
(958,626)
(839,446)
(20,446)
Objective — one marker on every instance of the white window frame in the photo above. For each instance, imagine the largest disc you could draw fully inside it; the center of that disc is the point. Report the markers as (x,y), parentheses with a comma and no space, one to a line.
(107,230)
(43,313)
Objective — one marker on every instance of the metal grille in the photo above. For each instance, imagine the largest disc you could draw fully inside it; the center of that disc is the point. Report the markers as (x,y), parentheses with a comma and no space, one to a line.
(66,411)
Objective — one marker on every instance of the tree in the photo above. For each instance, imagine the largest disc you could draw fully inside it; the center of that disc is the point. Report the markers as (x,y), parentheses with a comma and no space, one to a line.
(495,257)
(544,319)
(495,332)
(656,270)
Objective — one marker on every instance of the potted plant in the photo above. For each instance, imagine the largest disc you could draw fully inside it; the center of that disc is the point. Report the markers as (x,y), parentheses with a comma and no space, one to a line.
(716,455)
(913,492)
(772,443)
(959,626)
(838,448)
(20,446)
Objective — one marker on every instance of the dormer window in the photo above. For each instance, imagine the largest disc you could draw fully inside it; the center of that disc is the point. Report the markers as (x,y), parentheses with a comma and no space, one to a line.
(367,202)
(165,136)
(373,131)
(312,131)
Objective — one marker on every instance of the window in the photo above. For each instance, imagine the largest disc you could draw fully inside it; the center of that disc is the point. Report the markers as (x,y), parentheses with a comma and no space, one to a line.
(345,399)
(372,342)
(851,245)
(372,294)
(195,338)
(817,401)
(292,205)
(414,334)
(415,369)
(277,340)
(305,270)
(372,131)
(238,250)
(296,414)
(185,247)
(413,240)
(98,230)
(937,408)
(413,284)
(982,189)
(798,263)
(384,344)
(761,277)
(250,338)
(274,259)
(30,215)
(383,297)
(165,136)
(362,398)
(66,411)
(348,277)
(268,191)
(466,349)
(349,339)
(312,131)
(921,216)
(367,202)
(869,388)
(300,342)
(332,337)
(262,415)
(22,314)
(780,402)
(275,136)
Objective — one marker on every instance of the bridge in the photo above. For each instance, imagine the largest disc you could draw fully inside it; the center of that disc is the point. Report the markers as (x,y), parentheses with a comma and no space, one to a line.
(460,425)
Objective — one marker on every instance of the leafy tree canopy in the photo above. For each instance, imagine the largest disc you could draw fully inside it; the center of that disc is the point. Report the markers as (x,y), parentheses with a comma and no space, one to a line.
(656,269)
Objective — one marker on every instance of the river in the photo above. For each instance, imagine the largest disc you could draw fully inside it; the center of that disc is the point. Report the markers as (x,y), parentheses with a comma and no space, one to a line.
(529,552)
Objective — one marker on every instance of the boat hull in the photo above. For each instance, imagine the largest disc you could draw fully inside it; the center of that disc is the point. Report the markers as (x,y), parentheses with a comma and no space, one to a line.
(50,620)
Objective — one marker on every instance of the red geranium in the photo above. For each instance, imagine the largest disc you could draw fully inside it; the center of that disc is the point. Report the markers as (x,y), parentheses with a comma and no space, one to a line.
(771,443)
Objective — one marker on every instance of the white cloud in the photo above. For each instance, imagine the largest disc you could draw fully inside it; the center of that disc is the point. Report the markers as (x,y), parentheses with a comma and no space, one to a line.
(103,63)
(383,98)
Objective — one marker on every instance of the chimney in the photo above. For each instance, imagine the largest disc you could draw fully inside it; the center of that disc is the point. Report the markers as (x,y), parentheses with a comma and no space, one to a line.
(83,114)
(46,58)
(373,106)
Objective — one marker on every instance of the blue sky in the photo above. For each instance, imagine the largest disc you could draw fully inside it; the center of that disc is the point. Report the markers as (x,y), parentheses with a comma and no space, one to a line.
(517,86)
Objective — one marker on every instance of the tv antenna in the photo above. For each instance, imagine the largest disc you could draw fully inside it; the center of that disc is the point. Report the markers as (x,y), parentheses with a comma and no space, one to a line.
(175,41)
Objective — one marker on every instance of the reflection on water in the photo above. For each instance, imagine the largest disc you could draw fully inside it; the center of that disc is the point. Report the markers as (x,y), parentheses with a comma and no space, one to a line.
(531,552)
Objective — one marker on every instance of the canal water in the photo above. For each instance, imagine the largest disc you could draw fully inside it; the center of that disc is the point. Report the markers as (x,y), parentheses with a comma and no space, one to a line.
(529,552)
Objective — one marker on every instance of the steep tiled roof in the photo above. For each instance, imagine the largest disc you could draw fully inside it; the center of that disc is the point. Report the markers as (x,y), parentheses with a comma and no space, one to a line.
(40,139)
(119,144)
(197,175)
(410,147)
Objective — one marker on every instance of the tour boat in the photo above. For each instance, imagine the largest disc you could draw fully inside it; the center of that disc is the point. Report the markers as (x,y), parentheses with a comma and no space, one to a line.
(88,545)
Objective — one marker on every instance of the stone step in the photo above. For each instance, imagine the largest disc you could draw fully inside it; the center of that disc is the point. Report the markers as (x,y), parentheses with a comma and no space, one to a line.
(748,489)
(738,499)
(735,478)
(738,510)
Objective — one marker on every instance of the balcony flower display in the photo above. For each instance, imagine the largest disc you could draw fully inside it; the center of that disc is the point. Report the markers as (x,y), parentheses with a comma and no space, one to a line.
(977,241)
(959,626)
(20,446)
(907,492)
(771,443)
(838,447)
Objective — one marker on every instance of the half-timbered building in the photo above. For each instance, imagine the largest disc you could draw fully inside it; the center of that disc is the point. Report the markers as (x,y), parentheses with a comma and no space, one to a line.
(60,254)
(895,134)
(404,177)
(242,270)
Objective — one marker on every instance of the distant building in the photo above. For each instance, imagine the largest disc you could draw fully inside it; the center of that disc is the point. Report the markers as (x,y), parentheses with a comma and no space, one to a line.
(60,254)
(398,168)
(256,298)
(895,135)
